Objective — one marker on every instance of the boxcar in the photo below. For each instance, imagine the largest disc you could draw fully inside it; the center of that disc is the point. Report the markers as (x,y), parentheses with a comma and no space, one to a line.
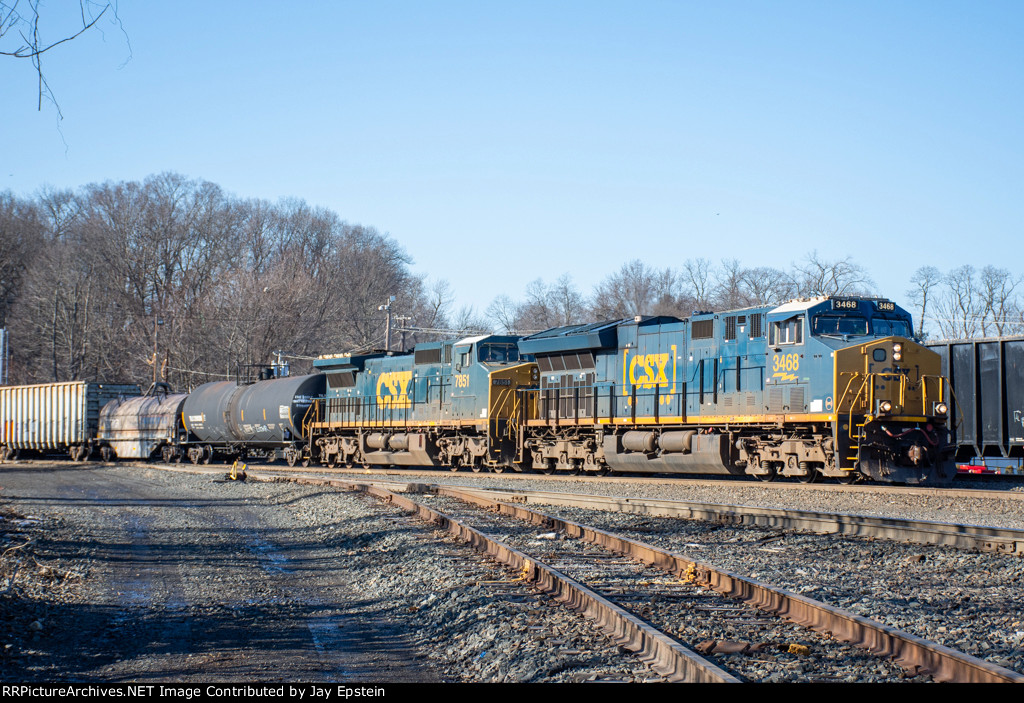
(55,417)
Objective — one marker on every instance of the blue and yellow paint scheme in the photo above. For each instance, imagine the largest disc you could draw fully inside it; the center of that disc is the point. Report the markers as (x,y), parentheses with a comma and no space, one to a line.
(443,404)
(810,388)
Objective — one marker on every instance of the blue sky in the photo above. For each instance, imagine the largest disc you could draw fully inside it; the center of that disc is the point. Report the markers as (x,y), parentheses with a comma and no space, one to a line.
(502,142)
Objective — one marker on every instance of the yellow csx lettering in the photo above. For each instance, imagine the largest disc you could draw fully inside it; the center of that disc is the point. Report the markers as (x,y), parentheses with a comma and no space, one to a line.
(393,389)
(653,371)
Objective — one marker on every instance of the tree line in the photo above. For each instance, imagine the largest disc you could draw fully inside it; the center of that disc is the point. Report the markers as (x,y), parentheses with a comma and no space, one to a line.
(699,284)
(173,278)
(111,280)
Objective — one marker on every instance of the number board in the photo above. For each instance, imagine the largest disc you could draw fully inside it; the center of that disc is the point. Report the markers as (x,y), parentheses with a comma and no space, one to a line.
(840,304)
(885,306)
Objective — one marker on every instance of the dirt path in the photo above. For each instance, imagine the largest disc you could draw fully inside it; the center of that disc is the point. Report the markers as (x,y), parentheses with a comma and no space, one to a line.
(192,580)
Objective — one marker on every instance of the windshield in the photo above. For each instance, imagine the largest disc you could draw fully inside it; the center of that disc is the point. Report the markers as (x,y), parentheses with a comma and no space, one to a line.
(887,328)
(840,324)
(497,353)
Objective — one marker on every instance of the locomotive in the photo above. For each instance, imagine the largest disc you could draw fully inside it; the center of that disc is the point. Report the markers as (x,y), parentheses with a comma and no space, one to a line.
(830,386)
(823,387)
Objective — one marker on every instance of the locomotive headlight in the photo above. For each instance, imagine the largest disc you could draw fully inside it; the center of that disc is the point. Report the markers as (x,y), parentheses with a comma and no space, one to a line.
(897,352)
(885,407)
(897,348)
(896,356)
(941,408)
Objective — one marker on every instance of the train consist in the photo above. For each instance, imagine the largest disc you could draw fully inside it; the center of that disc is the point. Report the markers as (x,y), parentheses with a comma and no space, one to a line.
(824,387)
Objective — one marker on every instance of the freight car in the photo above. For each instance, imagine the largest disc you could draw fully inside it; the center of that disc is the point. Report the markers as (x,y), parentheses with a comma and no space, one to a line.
(262,419)
(829,386)
(55,417)
(141,427)
(987,376)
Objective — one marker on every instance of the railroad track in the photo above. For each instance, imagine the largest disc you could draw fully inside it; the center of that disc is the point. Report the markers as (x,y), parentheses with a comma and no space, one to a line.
(980,537)
(689,620)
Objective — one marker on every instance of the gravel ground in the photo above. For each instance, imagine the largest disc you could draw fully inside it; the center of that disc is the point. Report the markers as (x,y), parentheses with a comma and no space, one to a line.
(960,507)
(140,574)
(133,574)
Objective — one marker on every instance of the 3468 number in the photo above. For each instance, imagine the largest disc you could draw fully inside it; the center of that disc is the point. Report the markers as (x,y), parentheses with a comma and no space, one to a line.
(786,362)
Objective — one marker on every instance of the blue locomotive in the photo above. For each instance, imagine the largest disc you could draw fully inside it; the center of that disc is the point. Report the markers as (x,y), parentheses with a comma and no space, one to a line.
(451,404)
(830,386)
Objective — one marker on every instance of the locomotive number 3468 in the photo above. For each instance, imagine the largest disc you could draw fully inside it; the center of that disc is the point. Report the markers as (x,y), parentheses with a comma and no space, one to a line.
(786,362)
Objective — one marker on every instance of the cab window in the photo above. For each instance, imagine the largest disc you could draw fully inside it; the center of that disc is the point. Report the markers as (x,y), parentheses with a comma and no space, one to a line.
(888,328)
(498,353)
(789,331)
(840,324)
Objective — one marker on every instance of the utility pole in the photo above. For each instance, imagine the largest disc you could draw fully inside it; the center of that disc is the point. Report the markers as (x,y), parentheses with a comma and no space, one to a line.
(386,307)
(157,322)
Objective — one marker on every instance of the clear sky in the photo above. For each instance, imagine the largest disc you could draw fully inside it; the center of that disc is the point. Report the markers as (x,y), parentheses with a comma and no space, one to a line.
(500,142)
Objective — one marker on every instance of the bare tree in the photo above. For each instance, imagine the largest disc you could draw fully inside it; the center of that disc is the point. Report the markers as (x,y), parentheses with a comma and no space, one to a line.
(505,312)
(21,36)
(696,279)
(819,276)
(924,282)
(959,307)
(765,285)
(636,289)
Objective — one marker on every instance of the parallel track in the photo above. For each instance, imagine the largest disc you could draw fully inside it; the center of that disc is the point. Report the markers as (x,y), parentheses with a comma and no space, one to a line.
(666,655)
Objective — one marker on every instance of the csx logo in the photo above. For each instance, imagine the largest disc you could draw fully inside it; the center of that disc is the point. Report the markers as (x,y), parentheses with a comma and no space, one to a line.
(649,370)
(393,389)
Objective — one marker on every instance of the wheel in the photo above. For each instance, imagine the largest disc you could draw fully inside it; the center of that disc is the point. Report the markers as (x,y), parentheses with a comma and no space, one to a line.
(768,474)
(850,478)
(498,469)
(549,468)
(107,453)
(195,454)
(207,454)
(291,457)
(810,477)
(166,453)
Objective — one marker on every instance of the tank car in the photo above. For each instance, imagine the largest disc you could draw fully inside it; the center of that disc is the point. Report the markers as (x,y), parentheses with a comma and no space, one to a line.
(451,404)
(260,419)
(140,427)
(829,386)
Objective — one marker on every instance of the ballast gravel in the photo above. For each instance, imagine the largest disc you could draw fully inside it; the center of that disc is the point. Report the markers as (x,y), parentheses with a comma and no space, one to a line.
(285,553)
(461,617)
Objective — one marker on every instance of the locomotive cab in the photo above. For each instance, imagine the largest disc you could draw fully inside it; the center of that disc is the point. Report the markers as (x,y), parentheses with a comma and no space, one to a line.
(853,362)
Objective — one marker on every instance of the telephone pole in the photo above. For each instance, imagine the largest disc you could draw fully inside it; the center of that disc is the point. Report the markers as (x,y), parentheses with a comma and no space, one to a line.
(386,307)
